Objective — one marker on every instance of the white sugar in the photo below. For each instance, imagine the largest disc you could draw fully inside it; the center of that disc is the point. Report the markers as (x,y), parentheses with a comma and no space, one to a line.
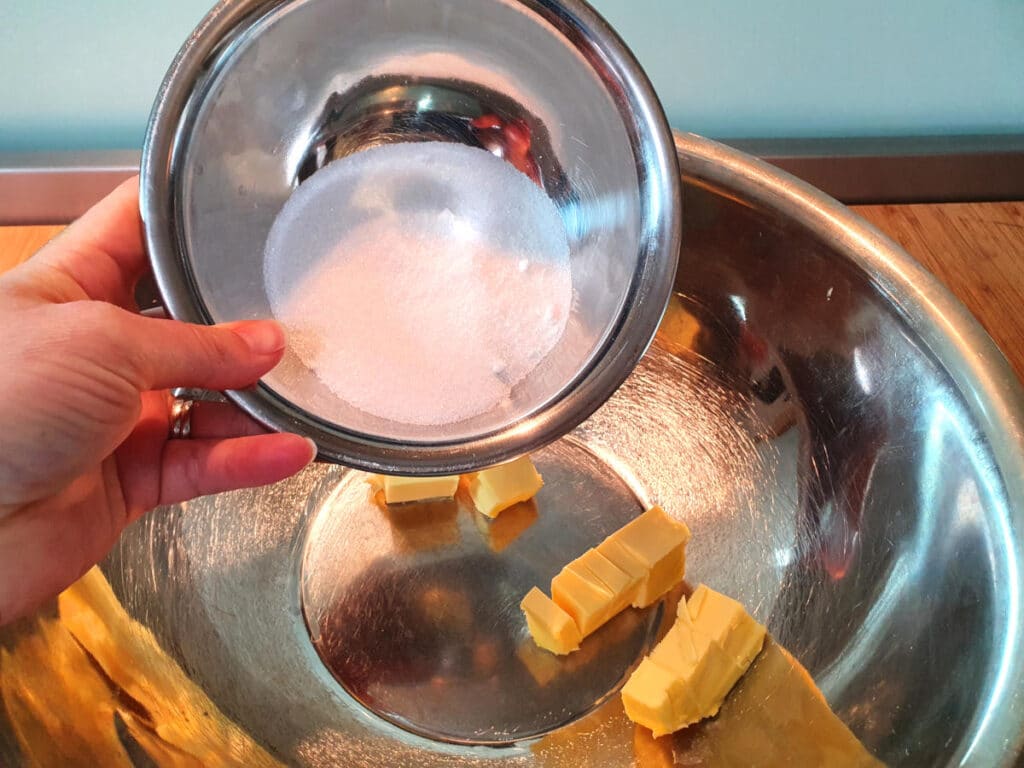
(420,282)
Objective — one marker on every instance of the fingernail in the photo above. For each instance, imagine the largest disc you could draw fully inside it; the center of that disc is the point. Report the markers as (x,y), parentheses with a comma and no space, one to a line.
(264,337)
(313,450)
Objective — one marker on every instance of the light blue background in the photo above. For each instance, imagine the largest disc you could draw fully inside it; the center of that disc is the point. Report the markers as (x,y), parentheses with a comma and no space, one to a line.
(81,74)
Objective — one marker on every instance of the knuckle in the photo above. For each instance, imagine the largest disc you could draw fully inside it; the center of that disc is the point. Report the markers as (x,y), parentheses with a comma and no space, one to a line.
(193,473)
(98,315)
(210,346)
(93,325)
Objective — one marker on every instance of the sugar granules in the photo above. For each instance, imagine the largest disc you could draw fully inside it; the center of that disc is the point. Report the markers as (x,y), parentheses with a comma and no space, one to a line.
(420,281)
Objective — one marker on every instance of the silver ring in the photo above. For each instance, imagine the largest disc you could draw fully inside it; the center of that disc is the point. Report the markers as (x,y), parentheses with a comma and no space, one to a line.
(181,419)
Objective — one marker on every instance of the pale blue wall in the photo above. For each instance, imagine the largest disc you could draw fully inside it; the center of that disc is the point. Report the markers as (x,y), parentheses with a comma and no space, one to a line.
(82,73)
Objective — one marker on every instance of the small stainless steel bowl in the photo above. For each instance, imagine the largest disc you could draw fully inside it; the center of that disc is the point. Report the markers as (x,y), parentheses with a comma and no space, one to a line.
(266,93)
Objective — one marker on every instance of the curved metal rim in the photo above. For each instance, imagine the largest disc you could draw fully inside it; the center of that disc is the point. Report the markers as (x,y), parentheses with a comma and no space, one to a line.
(650,293)
(952,335)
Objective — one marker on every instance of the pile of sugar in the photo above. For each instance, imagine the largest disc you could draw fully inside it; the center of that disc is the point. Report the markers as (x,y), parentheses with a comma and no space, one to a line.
(420,281)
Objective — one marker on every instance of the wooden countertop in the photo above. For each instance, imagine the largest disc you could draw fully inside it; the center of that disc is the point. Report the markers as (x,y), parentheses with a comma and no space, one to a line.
(977,249)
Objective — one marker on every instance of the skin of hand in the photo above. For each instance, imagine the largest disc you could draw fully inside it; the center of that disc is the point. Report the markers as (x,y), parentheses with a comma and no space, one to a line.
(84,406)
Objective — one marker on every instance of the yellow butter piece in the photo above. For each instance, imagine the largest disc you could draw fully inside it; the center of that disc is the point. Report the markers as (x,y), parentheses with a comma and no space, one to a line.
(653,547)
(654,697)
(635,565)
(498,488)
(401,490)
(592,590)
(726,622)
(624,559)
(551,627)
(704,654)
(589,604)
(706,671)
(598,569)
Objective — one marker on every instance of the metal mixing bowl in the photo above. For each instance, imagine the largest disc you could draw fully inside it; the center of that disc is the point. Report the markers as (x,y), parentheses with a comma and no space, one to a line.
(267,92)
(841,436)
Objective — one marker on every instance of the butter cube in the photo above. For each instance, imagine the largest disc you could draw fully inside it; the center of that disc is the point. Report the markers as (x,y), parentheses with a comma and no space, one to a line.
(627,562)
(704,654)
(726,622)
(635,565)
(653,548)
(706,671)
(498,488)
(551,627)
(655,698)
(598,569)
(592,590)
(589,604)
(400,490)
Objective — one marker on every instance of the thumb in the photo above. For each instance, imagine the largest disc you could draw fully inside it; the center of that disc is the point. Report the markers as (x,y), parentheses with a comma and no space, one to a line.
(169,353)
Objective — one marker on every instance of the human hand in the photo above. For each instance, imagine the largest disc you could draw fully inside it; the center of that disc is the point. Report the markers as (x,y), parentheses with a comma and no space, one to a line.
(84,406)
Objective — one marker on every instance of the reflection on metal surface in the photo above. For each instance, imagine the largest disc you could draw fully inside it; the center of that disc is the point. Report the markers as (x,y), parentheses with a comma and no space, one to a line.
(433,639)
(393,109)
(89,686)
(773,717)
(873,531)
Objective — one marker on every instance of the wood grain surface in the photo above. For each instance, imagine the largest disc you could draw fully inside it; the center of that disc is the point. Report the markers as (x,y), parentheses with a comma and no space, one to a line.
(977,249)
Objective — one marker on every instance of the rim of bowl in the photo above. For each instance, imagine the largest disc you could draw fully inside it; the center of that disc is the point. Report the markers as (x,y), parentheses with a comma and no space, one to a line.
(651,288)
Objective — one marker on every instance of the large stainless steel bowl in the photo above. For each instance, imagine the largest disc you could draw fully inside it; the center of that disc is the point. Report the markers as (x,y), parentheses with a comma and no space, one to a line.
(843,439)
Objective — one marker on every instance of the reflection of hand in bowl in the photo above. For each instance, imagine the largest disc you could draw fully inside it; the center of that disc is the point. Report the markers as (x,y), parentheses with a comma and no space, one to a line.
(510,139)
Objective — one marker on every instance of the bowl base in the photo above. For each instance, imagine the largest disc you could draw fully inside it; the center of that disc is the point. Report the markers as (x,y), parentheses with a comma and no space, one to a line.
(419,620)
